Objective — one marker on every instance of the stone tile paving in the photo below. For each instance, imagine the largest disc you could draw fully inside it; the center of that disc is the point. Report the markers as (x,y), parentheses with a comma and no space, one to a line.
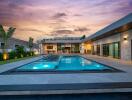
(76,78)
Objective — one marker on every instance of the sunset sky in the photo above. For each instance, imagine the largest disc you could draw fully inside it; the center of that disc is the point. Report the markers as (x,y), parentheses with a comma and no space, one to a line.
(58,18)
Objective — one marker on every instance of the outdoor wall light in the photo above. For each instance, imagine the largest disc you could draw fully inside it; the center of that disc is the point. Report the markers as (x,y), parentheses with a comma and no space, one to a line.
(125,38)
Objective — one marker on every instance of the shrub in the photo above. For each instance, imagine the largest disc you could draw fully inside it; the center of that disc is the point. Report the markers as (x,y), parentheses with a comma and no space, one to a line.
(1,56)
(20,51)
(27,53)
(32,53)
(12,55)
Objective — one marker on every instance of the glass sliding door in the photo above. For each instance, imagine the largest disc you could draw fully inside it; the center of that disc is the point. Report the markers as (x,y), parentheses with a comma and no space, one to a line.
(131,49)
(77,50)
(58,47)
(116,49)
(98,49)
(105,49)
(111,50)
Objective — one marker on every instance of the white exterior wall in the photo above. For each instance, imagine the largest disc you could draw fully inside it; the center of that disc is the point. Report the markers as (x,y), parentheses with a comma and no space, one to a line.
(110,39)
(126,51)
(126,45)
(82,48)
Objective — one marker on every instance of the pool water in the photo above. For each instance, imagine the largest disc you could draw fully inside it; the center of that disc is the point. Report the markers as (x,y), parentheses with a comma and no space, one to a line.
(64,63)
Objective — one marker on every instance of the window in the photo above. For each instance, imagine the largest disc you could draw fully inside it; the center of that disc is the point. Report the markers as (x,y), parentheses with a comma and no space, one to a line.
(49,47)
(2,45)
(116,46)
(98,49)
(76,48)
(16,46)
(112,49)
(105,49)
(58,47)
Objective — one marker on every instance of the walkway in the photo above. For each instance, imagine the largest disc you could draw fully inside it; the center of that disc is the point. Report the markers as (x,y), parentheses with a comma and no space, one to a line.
(67,83)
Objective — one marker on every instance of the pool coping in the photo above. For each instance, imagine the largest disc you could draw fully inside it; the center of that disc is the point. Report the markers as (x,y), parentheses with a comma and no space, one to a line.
(70,86)
(120,85)
(61,92)
(14,71)
(16,64)
(65,88)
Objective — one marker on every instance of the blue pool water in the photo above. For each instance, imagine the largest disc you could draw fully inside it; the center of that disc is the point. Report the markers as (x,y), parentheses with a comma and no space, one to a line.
(64,63)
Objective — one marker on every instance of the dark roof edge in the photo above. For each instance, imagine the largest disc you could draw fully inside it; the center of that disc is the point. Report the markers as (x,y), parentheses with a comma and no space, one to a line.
(117,24)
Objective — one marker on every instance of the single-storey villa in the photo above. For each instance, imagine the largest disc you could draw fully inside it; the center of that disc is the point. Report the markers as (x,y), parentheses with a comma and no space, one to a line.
(114,41)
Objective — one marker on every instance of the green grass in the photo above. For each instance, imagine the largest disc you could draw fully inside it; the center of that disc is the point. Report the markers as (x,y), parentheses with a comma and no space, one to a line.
(14,60)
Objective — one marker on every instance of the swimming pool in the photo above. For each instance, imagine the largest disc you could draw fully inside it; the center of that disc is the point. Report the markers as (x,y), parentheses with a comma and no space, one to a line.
(64,64)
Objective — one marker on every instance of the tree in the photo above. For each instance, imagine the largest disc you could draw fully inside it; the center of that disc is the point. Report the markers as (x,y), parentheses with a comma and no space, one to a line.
(31,43)
(5,36)
(83,37)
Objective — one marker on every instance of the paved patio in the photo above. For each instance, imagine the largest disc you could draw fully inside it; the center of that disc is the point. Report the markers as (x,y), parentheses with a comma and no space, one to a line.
(67,83)
(116,63)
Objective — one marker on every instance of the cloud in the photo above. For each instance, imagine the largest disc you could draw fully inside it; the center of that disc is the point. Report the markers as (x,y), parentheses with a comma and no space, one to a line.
(77,15)
(45,18)
(15,4)
(31,30)
(81,29)
(62,32)
(59,15)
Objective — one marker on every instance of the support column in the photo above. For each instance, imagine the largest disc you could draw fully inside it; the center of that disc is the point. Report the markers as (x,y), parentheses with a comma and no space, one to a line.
(101,50)
(82,48)
(126,38)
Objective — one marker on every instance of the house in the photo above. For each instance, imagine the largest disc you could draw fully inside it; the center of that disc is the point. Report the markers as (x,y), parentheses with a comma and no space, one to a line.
(114,41)
(13,43)
(61,45)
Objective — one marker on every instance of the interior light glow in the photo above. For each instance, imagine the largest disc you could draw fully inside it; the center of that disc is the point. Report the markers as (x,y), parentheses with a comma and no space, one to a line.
(46,66)
(97,65)
(35,68)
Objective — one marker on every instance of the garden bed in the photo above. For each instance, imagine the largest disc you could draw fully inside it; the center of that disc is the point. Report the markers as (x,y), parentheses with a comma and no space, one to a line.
(14,60)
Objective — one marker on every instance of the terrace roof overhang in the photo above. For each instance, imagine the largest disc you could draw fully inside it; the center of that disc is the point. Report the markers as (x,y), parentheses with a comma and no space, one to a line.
(119,26)
(61,42)
(121,29)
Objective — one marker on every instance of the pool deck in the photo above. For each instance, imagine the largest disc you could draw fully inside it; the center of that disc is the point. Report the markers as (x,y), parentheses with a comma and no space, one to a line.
(29,84)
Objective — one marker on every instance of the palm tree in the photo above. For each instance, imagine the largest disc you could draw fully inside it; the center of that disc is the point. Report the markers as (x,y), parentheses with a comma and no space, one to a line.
(5,36)
(31,43)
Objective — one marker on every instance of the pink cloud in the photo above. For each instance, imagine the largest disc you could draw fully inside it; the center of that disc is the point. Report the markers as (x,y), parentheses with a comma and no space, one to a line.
(40,18)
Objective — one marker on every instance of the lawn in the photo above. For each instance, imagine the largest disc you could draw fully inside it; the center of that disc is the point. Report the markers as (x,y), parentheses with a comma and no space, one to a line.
(14,60)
